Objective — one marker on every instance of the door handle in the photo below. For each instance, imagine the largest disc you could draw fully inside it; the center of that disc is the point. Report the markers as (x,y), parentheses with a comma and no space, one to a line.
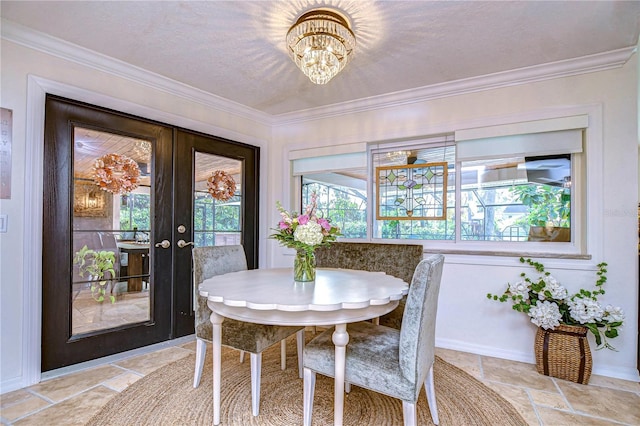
(164,244)
(183,243)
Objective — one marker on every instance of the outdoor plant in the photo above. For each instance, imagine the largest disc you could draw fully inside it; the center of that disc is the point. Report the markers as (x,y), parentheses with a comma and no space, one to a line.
(548,304)
(547,204)
(96,264)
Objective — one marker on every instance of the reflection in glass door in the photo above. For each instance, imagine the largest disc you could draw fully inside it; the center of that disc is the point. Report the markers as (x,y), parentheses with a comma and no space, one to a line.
(112,215)
(217,212)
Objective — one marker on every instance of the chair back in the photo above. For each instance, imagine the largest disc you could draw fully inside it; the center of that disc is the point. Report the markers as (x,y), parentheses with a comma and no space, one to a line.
(417,334)
(208,262)
(398,260)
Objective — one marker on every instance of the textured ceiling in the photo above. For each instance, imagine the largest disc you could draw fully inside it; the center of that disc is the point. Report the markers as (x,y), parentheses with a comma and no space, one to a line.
(236,49)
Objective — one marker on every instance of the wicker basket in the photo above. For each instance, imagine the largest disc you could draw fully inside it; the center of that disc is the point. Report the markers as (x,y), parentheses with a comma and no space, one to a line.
(564,353)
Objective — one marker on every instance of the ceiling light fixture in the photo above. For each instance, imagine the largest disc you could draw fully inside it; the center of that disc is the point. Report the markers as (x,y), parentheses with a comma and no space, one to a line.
(321,44)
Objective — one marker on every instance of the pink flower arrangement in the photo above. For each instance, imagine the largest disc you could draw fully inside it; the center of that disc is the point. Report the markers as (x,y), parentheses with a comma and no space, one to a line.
(305,231)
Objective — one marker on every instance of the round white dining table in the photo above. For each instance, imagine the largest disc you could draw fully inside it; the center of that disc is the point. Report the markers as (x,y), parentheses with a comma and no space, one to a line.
(271,296)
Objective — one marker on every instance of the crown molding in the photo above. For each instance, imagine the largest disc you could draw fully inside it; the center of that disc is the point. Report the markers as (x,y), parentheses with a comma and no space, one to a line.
(552,70)
(74,53)
(36,40)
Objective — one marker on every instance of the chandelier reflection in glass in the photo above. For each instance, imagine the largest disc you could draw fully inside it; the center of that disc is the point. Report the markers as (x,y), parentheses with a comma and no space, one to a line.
(321,44)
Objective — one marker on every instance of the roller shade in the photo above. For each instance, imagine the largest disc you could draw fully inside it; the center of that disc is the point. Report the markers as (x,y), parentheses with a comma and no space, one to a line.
(543,137)
(318,160)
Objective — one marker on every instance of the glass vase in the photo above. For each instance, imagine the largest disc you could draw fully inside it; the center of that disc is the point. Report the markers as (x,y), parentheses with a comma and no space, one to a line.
(304,266)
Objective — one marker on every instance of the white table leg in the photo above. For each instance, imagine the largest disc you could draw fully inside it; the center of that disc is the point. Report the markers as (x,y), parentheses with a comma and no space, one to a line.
(216,321)
(340,339)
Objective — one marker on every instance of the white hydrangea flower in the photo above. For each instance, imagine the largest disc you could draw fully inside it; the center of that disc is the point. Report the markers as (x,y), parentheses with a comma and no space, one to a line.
(613,314)
(545,315)
(558,292)
(521,288)
(309,233)
(585,310)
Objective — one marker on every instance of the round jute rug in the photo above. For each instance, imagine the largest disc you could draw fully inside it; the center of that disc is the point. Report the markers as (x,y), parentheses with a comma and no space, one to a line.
(167,397)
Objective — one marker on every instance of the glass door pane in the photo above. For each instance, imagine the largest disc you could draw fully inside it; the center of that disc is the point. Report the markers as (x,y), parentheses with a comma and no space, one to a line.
(217,202)
(111,283)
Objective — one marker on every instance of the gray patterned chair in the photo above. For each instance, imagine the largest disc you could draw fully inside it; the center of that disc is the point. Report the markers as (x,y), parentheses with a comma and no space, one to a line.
(385,360)
(399,260)
(244,336)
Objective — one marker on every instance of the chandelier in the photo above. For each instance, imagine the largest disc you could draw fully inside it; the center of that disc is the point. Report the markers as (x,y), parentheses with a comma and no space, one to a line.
(321,44)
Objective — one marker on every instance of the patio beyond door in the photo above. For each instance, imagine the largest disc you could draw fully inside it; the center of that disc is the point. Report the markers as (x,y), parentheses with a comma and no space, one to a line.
(125,201)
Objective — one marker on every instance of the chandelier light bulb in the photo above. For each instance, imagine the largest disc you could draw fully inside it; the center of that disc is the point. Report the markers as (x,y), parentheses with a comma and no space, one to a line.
(321,44)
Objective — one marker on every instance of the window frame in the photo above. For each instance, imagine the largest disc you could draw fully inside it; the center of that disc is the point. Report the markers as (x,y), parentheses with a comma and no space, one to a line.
(584,245)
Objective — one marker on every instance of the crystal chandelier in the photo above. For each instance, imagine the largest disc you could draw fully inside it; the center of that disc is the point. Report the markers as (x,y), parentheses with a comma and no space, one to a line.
(321,44)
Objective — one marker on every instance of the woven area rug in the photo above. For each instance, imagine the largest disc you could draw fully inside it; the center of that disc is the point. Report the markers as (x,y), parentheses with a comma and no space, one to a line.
(167,397)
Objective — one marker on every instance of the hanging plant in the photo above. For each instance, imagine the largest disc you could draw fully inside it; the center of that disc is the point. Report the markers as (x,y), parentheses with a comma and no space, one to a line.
(116,173)
(221,185)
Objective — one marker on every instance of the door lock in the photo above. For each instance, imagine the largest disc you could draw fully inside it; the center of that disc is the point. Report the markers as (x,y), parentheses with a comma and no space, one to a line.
(182,229)
(164,244)
(183,243)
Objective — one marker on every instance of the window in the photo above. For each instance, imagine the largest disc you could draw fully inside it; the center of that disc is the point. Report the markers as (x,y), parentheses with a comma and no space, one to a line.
(516,199)
(216,222)
(345,205)
(338,175)
(134,214)
(512,184)
(437,152)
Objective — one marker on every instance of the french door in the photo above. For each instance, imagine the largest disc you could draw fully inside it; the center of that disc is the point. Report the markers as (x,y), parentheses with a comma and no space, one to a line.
(125,200)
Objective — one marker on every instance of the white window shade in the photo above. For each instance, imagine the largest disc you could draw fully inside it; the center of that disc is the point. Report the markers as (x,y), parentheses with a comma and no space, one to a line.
(318,160)
(543,137)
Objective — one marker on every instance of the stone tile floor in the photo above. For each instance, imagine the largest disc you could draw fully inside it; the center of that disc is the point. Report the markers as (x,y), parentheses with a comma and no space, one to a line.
(72,398)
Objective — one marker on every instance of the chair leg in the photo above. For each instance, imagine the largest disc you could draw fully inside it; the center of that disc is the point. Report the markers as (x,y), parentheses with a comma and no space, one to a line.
(300,345)
(409,413)
(241,357)
(347,387)
(283,354)
(309,388)
(430,390)
(256,371)
(201,350)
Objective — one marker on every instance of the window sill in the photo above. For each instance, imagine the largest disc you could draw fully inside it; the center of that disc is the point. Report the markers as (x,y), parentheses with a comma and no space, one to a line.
(518,254)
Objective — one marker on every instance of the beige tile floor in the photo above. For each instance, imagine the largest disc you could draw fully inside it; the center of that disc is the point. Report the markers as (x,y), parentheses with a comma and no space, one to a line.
(71,399)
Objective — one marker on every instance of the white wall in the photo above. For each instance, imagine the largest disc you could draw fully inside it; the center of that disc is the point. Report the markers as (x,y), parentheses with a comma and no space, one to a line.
(466,319)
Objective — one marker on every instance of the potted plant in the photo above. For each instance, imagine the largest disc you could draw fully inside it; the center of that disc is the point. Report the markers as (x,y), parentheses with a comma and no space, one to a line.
(561,346)
(97,264)
(549,211)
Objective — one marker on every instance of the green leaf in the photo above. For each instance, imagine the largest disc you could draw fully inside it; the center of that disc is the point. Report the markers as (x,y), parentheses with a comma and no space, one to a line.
(594,330)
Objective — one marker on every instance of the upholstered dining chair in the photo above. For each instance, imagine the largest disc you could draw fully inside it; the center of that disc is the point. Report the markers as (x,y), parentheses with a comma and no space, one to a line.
(398,260)
(385,360)
(247,337)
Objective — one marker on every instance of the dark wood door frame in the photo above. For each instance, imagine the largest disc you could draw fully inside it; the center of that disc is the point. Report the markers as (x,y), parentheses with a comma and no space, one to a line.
(59,347)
